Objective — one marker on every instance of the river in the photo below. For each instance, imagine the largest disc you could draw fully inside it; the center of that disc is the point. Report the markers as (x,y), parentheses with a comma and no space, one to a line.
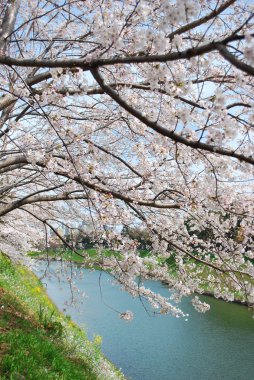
(218,345)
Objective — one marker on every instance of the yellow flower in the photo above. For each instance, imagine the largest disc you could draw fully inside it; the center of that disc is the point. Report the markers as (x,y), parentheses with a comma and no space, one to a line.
(97,340)
(37,289)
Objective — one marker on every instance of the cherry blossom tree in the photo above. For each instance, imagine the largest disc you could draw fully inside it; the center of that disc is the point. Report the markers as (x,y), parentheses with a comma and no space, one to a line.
(133,114)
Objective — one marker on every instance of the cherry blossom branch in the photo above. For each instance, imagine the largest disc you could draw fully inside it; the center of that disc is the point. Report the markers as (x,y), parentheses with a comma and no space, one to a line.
(202,20)
(162,130)
(234,61)
(187,253)
(46,222)
(113,155)
(86,66)
(36,199)
(110,192)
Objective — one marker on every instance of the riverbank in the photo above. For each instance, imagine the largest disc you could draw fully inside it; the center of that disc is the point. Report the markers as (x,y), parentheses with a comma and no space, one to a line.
(36,340)
(90,258)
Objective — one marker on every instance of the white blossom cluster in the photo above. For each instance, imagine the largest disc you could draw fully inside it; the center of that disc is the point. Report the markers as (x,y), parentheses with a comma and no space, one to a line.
(200,306)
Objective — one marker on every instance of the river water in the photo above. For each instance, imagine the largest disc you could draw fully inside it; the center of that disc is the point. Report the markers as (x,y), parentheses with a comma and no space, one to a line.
(218,345)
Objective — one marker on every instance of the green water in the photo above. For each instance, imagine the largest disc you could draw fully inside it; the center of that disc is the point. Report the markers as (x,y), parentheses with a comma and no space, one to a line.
(217,345)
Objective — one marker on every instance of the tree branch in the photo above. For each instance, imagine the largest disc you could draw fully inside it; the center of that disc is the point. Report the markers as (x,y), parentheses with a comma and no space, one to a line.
(162,130)
(8,22)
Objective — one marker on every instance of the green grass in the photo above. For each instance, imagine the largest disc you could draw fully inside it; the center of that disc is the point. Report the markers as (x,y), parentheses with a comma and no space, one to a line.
(36,340)
(31,354)
(68,255)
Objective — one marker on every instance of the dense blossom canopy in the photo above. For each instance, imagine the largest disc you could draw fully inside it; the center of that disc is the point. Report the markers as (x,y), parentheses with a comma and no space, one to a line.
(133,113)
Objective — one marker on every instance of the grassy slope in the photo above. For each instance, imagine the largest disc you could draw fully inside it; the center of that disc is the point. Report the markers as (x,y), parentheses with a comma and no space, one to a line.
(36,340)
